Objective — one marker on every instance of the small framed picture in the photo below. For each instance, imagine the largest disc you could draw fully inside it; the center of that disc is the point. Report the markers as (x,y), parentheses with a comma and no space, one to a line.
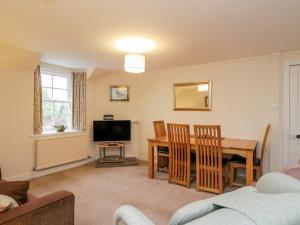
(119,93)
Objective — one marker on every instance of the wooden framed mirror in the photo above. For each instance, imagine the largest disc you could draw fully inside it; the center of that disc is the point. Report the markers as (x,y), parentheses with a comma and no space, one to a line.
(195,96)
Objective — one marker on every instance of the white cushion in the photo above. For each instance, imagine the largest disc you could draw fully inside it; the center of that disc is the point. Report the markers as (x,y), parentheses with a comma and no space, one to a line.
(275,183)
(7,202)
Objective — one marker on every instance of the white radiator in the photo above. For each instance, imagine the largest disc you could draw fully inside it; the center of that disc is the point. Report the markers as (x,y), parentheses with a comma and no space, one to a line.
(59,150)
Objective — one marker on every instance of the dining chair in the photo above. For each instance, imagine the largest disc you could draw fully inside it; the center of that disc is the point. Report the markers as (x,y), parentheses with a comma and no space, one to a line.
(237,162)
(209,161)
(180,154)
(162,152)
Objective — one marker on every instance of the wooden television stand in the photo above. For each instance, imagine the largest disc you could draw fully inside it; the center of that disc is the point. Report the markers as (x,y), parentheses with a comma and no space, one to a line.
(104,147)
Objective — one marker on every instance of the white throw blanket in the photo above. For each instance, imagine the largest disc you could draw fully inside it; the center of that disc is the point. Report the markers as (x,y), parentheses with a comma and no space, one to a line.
(263,209)
(274,201)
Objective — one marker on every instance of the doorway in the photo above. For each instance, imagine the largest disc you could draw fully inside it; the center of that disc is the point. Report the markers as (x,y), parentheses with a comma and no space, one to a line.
(294,114)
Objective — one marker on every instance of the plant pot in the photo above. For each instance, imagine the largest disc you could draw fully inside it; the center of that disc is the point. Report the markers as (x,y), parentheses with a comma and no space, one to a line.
(61,128)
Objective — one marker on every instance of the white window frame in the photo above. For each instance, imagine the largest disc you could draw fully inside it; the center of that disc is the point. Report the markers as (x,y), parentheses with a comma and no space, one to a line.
(57,71)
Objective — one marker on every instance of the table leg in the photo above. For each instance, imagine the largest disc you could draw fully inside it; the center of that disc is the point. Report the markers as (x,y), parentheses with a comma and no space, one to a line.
(104,154)
(124,157)
(100,155)
(249,168)
(150,160)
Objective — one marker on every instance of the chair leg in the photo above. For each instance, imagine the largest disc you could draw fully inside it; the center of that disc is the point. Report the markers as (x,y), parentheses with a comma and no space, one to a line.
(221,189)
(188,184)
(158,163)
(165,162)
(257,173)
(226,173)
(231,178)
(162,162)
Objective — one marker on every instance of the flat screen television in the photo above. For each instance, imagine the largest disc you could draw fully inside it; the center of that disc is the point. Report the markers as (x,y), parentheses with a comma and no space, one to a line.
(112,130)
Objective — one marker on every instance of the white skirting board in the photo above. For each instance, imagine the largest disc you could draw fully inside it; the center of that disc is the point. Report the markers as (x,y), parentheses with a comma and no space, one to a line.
(34,174)
(60,168)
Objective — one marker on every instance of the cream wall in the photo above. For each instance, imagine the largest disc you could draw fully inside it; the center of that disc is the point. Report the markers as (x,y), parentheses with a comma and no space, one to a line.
(16,116)
(16,97)
(241,98)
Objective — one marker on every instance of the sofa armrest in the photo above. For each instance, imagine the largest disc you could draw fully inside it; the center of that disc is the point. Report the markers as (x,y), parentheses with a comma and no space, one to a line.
(53,209)
(193,211)
(130,215)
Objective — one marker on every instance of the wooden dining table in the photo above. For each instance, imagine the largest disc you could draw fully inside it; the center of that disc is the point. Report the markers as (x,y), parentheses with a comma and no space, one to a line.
(241,147)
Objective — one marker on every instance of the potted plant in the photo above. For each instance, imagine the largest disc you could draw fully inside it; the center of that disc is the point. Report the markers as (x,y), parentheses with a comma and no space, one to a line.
(59,125)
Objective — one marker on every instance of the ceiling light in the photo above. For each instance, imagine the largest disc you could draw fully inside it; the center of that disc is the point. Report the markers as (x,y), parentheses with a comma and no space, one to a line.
(134,63)
(135,45)
(203,87)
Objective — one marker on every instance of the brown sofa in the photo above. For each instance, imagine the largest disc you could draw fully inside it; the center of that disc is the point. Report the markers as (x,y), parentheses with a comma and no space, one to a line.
(53,209)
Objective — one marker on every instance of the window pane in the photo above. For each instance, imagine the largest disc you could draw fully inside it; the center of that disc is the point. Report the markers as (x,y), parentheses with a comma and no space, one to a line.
(60,82)
(56,99)
(47,94)
(69,121)
(63,120)
(47,122)
(47,107)
(60,95)
(62,108)
(46,80)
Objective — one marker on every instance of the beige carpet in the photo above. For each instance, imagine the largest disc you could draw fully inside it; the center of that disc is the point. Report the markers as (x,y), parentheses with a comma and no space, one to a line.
(100,191)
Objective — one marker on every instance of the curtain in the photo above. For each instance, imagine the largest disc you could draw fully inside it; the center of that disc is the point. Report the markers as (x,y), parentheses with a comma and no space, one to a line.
(37,111)
(79,101)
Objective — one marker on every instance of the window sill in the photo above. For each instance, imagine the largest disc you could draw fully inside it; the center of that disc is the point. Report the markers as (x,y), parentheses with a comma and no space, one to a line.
(68,133)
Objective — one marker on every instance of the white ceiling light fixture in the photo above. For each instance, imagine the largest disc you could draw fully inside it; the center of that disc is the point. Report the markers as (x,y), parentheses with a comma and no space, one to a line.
(134,63)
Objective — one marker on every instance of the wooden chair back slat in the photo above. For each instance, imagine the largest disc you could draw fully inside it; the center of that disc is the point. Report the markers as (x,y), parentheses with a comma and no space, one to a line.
(179,154)
(159,128)
(208,158)
(263,147)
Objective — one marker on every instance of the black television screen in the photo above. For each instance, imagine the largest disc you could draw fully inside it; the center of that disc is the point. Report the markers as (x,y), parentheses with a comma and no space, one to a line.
(112,130)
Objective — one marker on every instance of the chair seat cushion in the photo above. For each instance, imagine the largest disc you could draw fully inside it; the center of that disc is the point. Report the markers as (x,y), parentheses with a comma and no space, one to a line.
(242,160)
(164,150)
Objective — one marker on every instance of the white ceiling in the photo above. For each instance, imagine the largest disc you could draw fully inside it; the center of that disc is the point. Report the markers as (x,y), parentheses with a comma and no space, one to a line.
(81,33)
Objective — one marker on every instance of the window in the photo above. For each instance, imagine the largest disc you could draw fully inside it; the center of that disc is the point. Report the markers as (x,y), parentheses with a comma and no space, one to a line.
(56,98)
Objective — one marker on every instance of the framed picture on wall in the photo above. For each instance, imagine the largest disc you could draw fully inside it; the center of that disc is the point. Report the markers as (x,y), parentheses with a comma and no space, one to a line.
(119,93)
